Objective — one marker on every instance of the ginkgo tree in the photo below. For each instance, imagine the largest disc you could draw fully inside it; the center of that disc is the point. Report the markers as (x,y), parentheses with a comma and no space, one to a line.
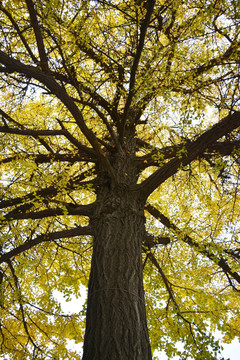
(119,126)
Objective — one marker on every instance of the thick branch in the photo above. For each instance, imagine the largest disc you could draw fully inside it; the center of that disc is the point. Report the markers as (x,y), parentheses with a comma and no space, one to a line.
(37,133)
(29,132)
(223,147)
(155,157)
(29,244)
(190,153)
(38,35)
(43,158)
(60,92)
(200,248)
(68,209)
(151,241)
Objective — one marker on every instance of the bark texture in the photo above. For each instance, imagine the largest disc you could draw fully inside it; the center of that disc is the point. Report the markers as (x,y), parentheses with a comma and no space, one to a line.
(116,326)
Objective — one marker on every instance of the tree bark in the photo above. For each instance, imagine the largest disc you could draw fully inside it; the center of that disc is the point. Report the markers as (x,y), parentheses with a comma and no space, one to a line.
(116,326)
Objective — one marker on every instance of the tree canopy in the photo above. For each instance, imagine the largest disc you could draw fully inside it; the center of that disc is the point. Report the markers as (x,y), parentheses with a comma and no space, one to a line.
(155,83)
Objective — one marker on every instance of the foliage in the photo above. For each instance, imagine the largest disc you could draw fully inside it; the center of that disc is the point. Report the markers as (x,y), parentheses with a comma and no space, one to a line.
(78,79)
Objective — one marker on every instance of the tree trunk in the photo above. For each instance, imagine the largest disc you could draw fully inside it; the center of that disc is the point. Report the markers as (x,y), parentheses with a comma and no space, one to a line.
(116,327)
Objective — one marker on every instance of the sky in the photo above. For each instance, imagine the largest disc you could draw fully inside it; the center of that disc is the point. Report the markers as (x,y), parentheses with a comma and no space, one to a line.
(230,351)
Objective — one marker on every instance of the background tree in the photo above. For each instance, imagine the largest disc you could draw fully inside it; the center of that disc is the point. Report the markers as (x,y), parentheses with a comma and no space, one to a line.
(119,157)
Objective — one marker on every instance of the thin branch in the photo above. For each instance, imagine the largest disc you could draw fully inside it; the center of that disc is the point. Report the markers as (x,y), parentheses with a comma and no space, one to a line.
(29,244)
(200,248)
(74,141)
(98,59)
(100,101)
(165,280)
(176,85)
(19,32)
(133,73)
(6,116)
(19,296)
(47,192)
(214,61)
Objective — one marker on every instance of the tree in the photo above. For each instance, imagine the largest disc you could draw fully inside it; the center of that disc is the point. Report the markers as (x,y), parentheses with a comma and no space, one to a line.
(119,158)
